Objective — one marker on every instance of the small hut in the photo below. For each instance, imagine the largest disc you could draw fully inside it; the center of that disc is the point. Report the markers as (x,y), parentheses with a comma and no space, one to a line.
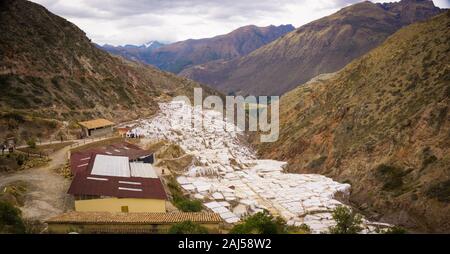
(96,127)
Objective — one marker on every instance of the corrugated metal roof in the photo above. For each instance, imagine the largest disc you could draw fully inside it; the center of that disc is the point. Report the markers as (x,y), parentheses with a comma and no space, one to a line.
(145,170)
(96,123)
(105,165)
(100,183)
(118,149)
(120,187)
(133,218)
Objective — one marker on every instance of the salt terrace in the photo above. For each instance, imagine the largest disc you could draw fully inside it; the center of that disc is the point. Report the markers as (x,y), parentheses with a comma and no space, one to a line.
(232,182)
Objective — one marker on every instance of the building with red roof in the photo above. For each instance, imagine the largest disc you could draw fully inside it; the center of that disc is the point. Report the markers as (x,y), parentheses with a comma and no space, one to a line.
(116,178)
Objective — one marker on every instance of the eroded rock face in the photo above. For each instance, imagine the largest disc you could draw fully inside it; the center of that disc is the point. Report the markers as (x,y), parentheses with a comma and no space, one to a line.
(231,181)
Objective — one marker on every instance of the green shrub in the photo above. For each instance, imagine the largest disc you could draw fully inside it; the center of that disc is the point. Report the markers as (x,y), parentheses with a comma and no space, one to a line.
(302,229)
(260,223)
(317,163)
(187,227)
(305,228)
(180,201)
(53,124)
(15,116)
(392,177)
(428,157)
(10,219)
(187,205)
(20,159)
(347,221)
(440,191)
(395,230)
(31,143)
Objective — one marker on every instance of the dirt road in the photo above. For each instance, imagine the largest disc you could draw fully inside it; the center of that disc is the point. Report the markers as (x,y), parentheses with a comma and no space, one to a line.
(46,195)
(47,192)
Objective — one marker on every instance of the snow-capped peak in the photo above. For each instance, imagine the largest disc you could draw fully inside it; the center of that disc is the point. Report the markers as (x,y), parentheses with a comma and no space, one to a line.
(149,44)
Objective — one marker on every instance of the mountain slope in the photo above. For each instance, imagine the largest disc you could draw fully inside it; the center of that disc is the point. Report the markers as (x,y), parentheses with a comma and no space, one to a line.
(50,69)
(322,46)
(381,124)
(180,55)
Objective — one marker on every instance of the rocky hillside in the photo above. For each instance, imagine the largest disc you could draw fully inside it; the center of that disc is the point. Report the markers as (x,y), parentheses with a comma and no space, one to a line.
(180,55)
(382,125)
(322,46)
(50,69)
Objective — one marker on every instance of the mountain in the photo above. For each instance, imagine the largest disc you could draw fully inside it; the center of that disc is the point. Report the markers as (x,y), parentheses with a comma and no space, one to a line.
(153,45)
(49,69)
(132,52)
(323,46)
(180,55)
(382,125)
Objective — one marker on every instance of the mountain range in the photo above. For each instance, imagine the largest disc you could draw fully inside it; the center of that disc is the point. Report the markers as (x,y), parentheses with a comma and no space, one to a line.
(132,52)
(322,46)
(381,124)
(178,56)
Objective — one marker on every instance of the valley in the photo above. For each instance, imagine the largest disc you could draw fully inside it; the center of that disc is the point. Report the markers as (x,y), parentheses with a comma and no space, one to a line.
(95,139)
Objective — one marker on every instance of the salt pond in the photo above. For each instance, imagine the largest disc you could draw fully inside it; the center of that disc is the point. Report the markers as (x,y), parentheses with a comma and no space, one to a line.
(229,178)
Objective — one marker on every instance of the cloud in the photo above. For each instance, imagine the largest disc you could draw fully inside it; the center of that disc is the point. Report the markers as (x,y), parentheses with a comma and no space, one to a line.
(121,22)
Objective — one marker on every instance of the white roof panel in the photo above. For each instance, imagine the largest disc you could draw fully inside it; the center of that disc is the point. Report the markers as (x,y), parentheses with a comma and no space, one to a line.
(144,170)
(132,183)
(129,189)
(105,165)
(97,178)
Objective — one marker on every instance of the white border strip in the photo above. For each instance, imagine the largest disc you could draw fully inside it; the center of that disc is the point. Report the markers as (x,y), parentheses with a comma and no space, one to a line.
(96,178)
(129,189)
(133,183)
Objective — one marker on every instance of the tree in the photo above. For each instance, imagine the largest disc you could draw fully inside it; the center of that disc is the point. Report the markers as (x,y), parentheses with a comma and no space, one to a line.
(260,223)
(10,219)
(347,221)
(187,227)
(31,143)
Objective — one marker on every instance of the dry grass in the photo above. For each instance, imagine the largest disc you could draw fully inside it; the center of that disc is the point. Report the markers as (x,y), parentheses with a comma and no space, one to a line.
(100,143)
(46,149)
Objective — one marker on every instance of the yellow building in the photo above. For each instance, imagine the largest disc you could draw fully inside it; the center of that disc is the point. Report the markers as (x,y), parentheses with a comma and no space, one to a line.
(132,205)
(105,183)
(103,222)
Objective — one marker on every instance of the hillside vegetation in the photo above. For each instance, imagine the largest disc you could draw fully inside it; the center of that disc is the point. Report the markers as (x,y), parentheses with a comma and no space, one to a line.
(50,70)
(381,124)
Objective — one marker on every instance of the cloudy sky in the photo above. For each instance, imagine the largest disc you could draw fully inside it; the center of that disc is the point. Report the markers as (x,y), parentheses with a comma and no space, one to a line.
(119,22)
